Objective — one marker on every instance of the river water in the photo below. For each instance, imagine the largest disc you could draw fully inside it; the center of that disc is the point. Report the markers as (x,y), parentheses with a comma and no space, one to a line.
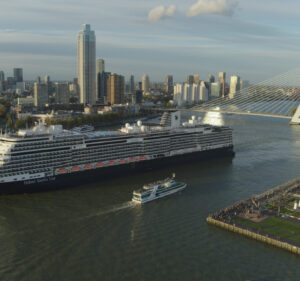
(94,232)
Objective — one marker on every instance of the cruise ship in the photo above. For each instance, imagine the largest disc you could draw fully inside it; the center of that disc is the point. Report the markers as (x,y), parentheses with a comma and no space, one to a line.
(47,156)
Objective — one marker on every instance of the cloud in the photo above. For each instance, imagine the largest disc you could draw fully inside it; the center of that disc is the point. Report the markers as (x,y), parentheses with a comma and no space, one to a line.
(161,12)
(219,7)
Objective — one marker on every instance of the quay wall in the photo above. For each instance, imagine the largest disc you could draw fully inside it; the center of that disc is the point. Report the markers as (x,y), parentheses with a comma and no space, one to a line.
(253,235)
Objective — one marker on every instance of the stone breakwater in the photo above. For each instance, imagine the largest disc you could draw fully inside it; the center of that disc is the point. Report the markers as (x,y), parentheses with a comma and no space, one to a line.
(224,218)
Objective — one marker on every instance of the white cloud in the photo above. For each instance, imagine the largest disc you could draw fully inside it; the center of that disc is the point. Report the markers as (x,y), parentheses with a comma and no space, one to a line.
(219,7)
(161,12)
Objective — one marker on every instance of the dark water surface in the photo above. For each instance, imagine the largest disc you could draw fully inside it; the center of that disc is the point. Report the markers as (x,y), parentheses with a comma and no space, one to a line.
(93,232)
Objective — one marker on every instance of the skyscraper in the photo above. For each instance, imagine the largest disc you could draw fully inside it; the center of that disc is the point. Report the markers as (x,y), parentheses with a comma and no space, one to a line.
(2,79)
(47,79)
(86,65)
(235,84)
(196,79)
(116,88)
(190,79)
(62,93)
(49,85)
(222,81)
(215,90)
(131,85)
(211,78)
(2,76)
(100,79)
(145,84)
(40,94)
(169,86)
(100,65)
(18,74)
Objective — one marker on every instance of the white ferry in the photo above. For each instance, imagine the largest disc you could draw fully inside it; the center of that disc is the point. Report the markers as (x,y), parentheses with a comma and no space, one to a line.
(45,156)
(156,190)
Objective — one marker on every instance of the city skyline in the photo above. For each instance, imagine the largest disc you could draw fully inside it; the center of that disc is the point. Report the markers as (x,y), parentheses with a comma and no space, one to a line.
(232,36)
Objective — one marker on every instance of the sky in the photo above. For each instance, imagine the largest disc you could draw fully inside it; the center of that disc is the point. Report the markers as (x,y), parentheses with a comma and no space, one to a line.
(255,39)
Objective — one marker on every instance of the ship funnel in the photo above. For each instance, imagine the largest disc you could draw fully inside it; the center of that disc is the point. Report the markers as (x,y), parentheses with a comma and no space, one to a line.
(171,119)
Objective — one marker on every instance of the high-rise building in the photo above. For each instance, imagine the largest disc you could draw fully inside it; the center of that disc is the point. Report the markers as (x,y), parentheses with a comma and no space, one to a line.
(116,88)
(131,85)
(2,79)
(195,92)
(235,84)
(100,65)
(18,74)
(11,82)
(38,79)
(190,79)
(187,92)
(2,76)
(47,79)
(222,81)
(196,79)
(87,65)
(62,93)
(203,96)
(137,97)
(211,78)
(215,90)
(178,94)
(40,94)
(169,86)
(50,86)
(100,80)
(145,84)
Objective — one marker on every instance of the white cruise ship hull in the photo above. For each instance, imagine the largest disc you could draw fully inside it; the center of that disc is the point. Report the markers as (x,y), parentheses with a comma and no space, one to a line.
(96,175)
(45,157)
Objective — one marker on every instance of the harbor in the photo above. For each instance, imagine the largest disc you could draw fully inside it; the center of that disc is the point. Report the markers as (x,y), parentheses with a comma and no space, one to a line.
(95,232)
(272,217)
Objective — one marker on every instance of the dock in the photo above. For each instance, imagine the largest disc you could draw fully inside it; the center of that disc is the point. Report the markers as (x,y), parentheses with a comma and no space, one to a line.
(272,217)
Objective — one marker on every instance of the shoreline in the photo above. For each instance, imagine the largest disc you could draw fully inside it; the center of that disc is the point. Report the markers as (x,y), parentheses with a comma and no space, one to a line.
(233,218)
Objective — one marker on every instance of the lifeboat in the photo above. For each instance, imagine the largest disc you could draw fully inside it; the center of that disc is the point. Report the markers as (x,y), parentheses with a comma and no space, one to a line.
(111,163)
(75,168)
(132,159)
(143,158)
(122,161)
(88,166)
(62,171)
(100,165)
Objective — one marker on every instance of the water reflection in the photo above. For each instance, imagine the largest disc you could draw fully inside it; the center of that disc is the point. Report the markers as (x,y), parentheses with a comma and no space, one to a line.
(213,118)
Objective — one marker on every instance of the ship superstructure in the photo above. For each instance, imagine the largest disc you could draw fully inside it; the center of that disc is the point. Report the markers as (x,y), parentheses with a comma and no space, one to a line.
(44,154)
(156,190)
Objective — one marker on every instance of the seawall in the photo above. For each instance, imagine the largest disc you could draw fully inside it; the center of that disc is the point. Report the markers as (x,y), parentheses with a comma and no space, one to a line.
(253,235)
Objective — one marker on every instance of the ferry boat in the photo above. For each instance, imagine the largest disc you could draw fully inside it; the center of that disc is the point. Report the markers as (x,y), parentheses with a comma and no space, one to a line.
(49,156)
(156,190)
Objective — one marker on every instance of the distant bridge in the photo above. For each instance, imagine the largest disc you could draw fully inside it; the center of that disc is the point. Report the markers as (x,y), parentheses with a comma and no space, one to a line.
(275,97)
(240,113)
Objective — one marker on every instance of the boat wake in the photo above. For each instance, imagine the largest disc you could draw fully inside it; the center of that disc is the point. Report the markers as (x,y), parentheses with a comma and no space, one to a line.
(113,209)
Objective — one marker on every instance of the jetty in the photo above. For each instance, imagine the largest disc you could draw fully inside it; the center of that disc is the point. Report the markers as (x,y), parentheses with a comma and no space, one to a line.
(272,217)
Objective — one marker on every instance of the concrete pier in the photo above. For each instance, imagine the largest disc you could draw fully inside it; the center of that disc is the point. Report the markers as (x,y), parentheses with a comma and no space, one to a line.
(256,236)
(223,218)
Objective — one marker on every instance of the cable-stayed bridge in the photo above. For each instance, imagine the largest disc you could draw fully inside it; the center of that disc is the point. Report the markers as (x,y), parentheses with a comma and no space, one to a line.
(275,97)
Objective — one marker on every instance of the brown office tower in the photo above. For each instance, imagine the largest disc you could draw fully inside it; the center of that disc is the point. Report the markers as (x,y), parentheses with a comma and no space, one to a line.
(116,88)
(222,81)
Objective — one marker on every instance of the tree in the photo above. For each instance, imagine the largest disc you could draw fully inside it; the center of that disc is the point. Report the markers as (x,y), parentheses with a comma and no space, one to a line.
(9,122)
(48,121)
